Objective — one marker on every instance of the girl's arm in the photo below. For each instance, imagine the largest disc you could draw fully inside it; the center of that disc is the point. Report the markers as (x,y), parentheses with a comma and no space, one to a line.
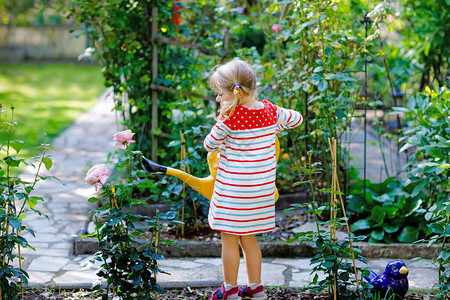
(288,118)
(216,137)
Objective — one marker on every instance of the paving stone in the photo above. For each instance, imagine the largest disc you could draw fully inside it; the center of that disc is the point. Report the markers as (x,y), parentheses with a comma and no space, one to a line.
(50,252)
(66,245)
(86,192)
(188,275)
(86,264)
(422,278)
(39,278)
(420,264)
(301,263)
(48,238)
(82,257)
(45,229)
(38,224)
(271,274)
(79,277)
(38,244)
(209,261)
(171,264)
(71,267)
(302,279)
(48,263)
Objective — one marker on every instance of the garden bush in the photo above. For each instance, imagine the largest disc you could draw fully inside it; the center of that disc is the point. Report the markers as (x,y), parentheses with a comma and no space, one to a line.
(128,254)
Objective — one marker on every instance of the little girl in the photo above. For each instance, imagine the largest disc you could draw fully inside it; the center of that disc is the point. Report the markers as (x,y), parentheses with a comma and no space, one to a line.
(243,202)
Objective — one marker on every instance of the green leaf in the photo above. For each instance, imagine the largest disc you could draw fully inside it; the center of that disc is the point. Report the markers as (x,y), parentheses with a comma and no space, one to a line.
(340,114)
(145,79)
(327,264)
(400,109)
(302,182)
(32,201)
(14,223)
(436,227)
(318,69)
(378,214)
(306,87)
(16,145)
(377,235)
(390,228)
(92,199)
(323,85)
(409,234)
(360,225)
(31,232)
(391,211)
(434,152)
(12,161)
(355,204)
(47,162)
(344,276)
(269,72)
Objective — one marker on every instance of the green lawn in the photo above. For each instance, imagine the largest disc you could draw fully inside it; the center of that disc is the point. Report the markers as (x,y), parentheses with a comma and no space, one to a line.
(47,98)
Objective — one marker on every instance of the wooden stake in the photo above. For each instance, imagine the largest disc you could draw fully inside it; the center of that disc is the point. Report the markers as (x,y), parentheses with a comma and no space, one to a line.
(336,187)
(7,230)
(157,243)
(183,168)
(20,258)
(154,76)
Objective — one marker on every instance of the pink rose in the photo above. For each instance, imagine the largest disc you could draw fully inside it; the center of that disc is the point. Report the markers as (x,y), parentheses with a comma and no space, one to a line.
(97,175)
(276,28)
(124,138)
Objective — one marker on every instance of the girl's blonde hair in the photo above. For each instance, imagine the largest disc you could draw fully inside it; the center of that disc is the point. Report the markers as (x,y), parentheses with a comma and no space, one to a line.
(235,74)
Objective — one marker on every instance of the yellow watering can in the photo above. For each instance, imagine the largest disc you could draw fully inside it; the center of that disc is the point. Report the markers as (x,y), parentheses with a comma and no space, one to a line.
(205,186)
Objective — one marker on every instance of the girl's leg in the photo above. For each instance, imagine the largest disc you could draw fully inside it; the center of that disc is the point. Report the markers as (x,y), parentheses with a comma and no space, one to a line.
(252,256)
(230,258)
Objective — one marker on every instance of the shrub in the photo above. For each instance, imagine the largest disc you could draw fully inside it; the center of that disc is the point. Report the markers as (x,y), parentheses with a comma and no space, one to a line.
(128,257)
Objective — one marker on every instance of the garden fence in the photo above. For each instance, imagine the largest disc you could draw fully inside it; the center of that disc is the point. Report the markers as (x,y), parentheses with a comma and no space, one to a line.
(40,42)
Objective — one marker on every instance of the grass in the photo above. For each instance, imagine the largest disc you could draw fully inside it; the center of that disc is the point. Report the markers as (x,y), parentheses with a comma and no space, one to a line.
(47,98)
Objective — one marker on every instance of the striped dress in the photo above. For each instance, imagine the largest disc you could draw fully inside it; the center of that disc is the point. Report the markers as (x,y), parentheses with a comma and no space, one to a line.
(243,201)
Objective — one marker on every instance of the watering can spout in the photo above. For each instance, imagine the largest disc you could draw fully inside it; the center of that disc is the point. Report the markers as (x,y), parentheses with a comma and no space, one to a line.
(152,167)
(205,186)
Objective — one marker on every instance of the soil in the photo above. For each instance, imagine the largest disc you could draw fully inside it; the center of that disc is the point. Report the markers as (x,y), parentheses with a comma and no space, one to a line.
(197,294)
(282,232)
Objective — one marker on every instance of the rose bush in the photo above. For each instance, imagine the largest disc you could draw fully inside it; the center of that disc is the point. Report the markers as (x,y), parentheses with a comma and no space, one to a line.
(128,261)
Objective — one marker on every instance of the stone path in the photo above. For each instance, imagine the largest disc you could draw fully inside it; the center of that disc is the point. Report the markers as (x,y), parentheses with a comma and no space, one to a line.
(88,141)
